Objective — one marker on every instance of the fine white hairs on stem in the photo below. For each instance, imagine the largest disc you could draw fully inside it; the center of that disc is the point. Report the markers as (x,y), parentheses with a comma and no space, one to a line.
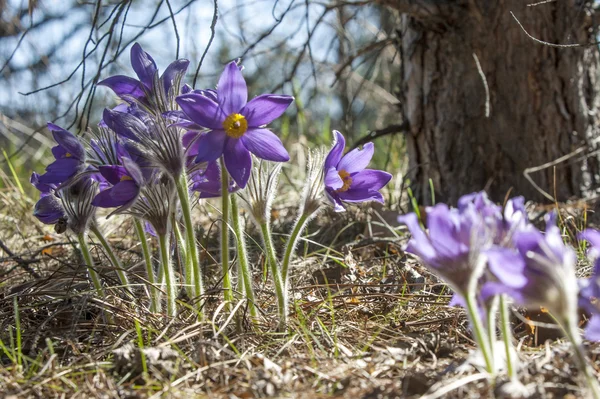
(313,187)
(261,190)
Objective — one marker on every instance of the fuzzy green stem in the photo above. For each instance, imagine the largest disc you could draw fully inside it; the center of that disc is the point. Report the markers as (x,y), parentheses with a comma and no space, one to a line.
(114,261)
(154,291)
(478,332)
(227,289)
(189,268)
(507,337)
(491,325)
(165,261)
(89,262)
(299,227)
(192,247)
(282,301)
(245,276)
(570,330)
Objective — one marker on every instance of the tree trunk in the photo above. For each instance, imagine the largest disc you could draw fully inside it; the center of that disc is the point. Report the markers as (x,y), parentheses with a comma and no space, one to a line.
(542,99)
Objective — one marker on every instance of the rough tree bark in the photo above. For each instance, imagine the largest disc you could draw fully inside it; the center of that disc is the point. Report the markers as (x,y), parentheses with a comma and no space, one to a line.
(542,99)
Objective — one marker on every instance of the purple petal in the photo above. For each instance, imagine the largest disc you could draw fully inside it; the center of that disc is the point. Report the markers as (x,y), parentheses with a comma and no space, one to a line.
(134,171)
(113,173)
(420,244)
(357,159)
(67,141)
(334,156)
(124,87)
(202,110)
(457,300)
(592,236)
(443,231)
(44,189)
(237,161)
(332,179)
(508,266)
(265,144)
(124,124)
(210,93)
(173,73)
(361,195)
(143,65)
(592,331)
(371,179)
(60,170)
(232,92)
(338,206)
(120,194)
(48,209)
(264,109)
(210,146)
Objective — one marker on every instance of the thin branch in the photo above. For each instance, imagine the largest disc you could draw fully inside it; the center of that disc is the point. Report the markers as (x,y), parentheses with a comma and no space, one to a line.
(552,44)
(213,25)
(386,131)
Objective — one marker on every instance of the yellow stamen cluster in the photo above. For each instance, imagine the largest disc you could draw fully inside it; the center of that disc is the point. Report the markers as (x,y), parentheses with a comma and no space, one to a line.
(345,176)
(125,177)
(235,125)
(68,155)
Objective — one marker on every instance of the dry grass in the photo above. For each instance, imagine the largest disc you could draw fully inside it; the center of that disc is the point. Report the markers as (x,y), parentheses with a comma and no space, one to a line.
(367,322)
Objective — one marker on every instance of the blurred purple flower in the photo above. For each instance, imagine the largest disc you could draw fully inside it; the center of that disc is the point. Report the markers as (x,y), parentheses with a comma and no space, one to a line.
(589,289)
(347,180)
(69,157)
(236,127)
(452,246)
(539,272)
(144,90)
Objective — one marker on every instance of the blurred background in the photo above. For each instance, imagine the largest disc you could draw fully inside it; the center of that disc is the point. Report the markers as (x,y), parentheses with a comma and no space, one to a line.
(457,95)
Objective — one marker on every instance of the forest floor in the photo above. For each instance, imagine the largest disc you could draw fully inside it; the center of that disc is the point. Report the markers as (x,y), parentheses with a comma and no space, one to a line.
(366,322)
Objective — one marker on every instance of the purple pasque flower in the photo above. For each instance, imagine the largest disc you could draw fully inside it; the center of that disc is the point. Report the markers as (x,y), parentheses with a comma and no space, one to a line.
(539,271)
(207,182)
(150,91)
(452,246)
(236,126)
(69,206)
(347,180)
(126,181)
(150,141)
(69,157)
(589,288)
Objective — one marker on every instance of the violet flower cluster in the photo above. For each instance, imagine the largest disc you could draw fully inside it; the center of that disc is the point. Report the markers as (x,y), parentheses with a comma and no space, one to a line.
(483,252)
(165,146)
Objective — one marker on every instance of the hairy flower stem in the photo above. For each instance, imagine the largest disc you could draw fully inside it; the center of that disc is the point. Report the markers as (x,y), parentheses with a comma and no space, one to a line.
(154,291)
(165,261)
(192,247)
(478,332)
(282,300)
(89,262)
(114,261)
(507,337)
(570,329)
(299,227)
(227,289)
(189,271)
(491,325)
(244,276)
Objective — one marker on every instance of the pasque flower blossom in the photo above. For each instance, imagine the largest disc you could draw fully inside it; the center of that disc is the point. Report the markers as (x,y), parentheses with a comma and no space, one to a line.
(236,126)
(150,91)
(69,157)
(540,271)
(347,180)
(126,181)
